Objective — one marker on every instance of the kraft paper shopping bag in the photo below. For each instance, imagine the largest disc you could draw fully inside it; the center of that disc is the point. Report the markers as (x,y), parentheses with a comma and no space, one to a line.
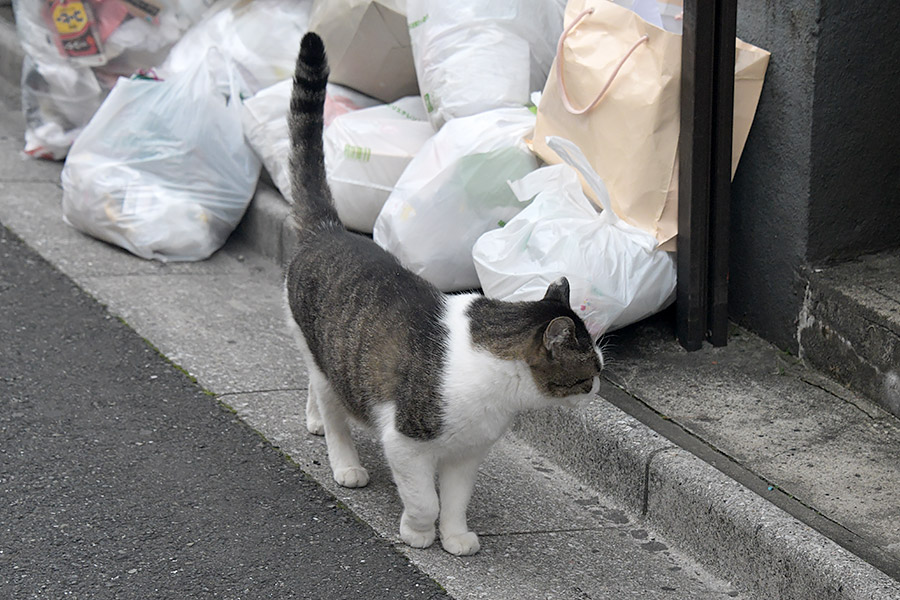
(614,90)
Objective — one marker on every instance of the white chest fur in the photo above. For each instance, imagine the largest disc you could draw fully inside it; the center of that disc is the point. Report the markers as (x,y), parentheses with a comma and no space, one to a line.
(482,393)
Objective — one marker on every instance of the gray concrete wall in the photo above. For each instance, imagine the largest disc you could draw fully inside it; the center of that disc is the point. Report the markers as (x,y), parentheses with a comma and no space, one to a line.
(820,176)
(771,190)
(855,185)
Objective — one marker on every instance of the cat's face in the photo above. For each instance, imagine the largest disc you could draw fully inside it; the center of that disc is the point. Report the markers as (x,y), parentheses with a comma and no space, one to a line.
(566,364)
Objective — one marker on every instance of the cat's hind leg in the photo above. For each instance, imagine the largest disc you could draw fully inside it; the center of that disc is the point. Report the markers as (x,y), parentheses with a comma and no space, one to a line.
(314,423)
(456,478)
(342,455)
(325,414)
(413,471)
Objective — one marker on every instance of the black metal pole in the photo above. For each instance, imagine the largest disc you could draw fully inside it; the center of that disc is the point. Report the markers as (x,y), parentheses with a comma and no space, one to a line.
(720,187)
(695,151)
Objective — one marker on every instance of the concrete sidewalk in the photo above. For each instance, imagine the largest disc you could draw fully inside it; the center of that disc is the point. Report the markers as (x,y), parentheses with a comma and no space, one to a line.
(774,478)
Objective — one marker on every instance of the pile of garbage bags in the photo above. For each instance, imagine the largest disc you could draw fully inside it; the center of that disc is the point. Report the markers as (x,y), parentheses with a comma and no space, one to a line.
(438,139)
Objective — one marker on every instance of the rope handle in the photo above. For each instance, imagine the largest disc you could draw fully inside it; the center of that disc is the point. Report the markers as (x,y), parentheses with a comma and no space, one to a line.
(561,76)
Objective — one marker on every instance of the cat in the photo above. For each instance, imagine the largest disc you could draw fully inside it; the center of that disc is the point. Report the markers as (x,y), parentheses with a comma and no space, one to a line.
(438,377)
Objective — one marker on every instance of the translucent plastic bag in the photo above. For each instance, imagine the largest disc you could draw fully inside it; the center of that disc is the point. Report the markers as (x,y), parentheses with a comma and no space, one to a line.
(454,190)
(162,169)
(366,152)
(472,56)
(58,100)
(75,52)
(617,273)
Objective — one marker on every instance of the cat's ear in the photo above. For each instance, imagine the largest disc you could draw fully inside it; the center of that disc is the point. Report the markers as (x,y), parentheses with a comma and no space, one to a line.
(558,332)
(558,290)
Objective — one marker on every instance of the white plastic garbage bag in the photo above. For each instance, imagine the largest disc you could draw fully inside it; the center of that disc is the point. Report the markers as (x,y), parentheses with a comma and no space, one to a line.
(260,38)
(472,56)
(616,272)
(265,124)
(366,151)
(453,191)
(162,169)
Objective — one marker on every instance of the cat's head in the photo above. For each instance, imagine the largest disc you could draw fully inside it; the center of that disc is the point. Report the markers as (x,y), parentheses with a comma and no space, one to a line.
(564,360)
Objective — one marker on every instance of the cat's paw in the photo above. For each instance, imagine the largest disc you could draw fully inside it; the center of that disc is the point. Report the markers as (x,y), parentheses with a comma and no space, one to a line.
(351,477)
(415,538)
(464,544)
(315,426)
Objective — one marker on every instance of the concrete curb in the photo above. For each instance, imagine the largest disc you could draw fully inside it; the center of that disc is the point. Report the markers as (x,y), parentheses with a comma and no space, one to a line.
(736,533)
(729,528)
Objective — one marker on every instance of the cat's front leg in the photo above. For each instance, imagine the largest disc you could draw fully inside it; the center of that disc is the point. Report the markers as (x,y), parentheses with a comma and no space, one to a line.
(413,471)
(457,480)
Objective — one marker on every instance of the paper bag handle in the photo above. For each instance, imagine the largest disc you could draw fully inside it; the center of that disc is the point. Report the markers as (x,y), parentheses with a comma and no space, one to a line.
(561,76)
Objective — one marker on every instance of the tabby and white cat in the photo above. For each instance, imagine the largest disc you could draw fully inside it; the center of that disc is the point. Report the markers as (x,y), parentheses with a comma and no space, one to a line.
(439,377)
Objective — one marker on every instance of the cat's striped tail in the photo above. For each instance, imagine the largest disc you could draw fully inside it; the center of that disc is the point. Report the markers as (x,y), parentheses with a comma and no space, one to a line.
(313,207)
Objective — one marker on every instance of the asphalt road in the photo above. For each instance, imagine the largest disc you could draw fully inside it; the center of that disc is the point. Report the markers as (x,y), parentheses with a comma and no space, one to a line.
(121,478)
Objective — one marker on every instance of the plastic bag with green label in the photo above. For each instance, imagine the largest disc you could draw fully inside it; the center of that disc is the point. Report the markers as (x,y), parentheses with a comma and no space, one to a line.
(366,151)
(453,191)
(264,120)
